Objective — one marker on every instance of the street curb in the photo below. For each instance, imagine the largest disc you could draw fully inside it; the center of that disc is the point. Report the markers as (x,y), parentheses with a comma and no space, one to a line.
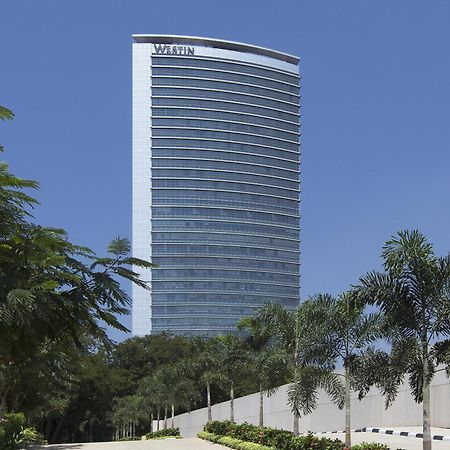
(435,437)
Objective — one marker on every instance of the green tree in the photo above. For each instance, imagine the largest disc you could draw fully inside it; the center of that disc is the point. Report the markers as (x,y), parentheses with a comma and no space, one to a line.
(283,325)
(342,333)
(292,330)
(414,294)
(235,362)
(51,291)
(207,363)
(268,363)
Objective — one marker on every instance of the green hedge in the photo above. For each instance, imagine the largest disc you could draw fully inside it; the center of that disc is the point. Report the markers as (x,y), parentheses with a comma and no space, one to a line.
(130,438)
(232,442)
(370,446)
(168,432)
(272,438)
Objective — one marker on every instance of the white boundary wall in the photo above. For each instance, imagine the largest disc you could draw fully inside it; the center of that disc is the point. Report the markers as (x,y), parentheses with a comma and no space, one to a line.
(369,412)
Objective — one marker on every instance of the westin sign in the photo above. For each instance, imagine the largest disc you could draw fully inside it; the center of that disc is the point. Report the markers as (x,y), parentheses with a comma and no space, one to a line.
(164,49)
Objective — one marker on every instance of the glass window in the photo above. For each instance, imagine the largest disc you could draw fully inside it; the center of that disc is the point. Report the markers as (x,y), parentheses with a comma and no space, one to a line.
(224,165)
(159,111)
(224,75)
(226,126)
(218,262)
(225,185)
(225,86)
(220,155)
(224,175)
(220,95)
(226,65)
(225,106)
(226,136)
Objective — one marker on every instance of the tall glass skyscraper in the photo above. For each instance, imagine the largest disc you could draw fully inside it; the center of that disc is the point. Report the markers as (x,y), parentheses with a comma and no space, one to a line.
(215,182)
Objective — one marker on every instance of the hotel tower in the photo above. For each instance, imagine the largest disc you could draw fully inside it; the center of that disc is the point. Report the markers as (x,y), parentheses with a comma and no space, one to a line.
(215,182)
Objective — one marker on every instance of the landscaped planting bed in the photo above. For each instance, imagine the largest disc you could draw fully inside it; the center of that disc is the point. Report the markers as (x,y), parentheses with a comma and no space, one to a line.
(250,437)
(162,434)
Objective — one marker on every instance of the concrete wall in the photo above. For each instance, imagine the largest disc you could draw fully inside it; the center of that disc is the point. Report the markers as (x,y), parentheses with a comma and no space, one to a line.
(369,412)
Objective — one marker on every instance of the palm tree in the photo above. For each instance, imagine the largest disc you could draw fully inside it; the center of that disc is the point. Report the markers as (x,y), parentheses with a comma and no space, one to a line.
(293,330)
(342,332)
(235,362)
(154,389)
(414,294)
(283,325)
(208,364)
(268,363)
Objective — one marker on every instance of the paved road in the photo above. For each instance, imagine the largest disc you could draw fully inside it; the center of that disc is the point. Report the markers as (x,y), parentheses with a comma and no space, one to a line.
(156,444)
(394,442)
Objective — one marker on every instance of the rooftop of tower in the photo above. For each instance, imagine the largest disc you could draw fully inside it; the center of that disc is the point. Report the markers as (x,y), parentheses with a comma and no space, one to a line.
(215,43)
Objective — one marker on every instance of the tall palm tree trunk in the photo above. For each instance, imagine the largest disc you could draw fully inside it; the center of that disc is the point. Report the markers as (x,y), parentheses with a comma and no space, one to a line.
(173,416)
(261,406)
(232,402)
(426,400)
(295,361)
(296,424)
(165,416)
(151,422)
(348,437)
(208,398)
(157,419)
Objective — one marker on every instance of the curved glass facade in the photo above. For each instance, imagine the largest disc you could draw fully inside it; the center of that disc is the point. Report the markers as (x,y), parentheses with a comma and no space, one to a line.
(218,209)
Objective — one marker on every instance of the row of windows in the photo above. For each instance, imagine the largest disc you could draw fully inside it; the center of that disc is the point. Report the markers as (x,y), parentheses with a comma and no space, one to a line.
(219,213)
(223,115)
(187,164)
(221,95)
(223,175)
(239,107)
(218,238)
(160,324)
(219,274)
(221,250)
(223,135)
(225,65)
(226,226)
(215,155)
(224,86)
(235,301)
(225,126)
(207,201)
(194,286)
(224,263)
(160,299)
(222,76)
(227,186)
(238,196)
(199,310)
(231,146)
(168,195)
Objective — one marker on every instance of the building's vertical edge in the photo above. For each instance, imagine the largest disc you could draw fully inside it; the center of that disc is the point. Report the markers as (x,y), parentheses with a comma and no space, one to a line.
(300,188)
(142,246)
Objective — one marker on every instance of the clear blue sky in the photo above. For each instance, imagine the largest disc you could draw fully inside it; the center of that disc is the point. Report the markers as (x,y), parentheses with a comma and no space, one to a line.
(375,114)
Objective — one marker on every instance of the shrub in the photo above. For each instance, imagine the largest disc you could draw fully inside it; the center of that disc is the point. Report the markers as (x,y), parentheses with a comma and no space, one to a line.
(169,432)
(15,435)
(370,446)
(272,437)
(220,427)
(232,442)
